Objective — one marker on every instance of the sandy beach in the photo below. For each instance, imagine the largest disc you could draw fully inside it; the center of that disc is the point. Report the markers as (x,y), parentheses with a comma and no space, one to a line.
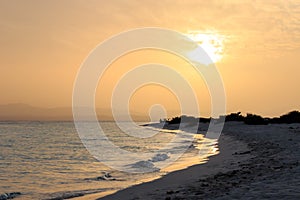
(255,162)
(102,100)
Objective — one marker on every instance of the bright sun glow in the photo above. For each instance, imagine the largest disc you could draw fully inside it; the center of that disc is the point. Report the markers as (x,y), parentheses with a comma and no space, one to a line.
(212,43)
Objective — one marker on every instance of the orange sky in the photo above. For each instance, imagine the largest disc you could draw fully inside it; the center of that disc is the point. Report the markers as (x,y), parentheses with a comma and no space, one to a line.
(43,44)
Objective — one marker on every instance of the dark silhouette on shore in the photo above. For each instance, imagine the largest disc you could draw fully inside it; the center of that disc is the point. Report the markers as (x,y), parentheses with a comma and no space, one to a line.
(250,119)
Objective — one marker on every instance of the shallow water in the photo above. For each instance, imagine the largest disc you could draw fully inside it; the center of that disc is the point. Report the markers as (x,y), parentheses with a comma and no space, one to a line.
(44,160)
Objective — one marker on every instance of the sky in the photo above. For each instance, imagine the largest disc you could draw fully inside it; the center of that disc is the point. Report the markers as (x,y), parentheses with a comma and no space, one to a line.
(255,46)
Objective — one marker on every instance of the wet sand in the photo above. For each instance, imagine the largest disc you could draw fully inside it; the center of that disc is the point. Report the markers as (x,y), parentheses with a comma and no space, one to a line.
(255,162)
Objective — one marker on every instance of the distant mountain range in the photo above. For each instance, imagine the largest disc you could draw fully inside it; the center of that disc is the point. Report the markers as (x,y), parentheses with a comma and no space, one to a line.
(21,112)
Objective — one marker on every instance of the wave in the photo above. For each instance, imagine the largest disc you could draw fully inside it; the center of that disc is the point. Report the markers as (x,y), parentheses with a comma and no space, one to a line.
(159,157)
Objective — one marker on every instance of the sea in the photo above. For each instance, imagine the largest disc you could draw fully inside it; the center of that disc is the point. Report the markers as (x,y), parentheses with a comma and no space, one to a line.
(48,160)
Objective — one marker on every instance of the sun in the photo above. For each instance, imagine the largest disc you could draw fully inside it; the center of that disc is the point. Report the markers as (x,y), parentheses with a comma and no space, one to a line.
(212,43)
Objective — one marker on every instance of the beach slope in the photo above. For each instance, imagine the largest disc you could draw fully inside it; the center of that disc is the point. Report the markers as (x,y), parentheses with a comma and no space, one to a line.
(255,162)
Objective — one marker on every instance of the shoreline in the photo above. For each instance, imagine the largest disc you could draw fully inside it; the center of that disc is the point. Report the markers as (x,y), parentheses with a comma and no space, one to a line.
(255,161)
(165,171)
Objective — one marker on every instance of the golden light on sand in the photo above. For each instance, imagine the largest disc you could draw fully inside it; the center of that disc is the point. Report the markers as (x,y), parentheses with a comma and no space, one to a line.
(212,43)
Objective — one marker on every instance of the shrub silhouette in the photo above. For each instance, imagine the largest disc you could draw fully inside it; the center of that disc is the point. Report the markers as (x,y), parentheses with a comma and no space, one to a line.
(183,118)
(174,120)
(204,120)
(291,117)
(235,117)
(252,119)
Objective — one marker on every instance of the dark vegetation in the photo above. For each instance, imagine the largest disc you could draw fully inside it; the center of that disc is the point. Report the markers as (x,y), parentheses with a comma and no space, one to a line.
(251,119)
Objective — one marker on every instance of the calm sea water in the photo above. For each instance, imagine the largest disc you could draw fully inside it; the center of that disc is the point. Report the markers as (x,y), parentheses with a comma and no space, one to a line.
(45,160)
